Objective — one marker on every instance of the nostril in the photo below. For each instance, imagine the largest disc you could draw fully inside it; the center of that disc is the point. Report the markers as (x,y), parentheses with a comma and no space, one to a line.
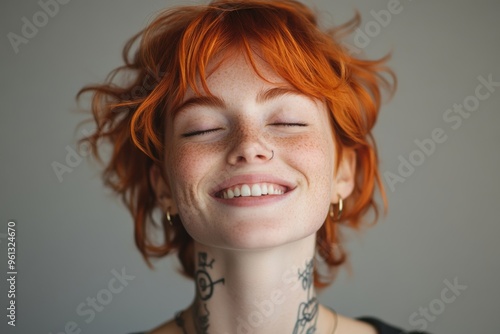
(248,151)
(250,158)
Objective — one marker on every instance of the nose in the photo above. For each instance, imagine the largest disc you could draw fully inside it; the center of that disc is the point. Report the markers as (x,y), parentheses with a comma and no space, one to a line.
(249,146)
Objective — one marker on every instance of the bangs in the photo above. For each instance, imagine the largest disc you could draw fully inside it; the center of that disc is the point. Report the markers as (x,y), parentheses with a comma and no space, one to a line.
(285,38)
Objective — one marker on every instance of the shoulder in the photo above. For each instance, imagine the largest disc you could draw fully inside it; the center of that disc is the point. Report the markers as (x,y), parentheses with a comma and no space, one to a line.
(360,325)
(368,325)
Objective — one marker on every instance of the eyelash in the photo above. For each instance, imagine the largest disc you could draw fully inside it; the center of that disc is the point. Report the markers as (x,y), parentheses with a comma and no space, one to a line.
(203,132)
(290,124)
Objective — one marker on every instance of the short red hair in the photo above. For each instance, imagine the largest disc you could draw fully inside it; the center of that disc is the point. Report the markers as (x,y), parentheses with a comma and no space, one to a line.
(177,46)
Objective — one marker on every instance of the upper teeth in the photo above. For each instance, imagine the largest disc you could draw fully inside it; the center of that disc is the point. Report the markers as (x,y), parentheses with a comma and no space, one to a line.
(246,190)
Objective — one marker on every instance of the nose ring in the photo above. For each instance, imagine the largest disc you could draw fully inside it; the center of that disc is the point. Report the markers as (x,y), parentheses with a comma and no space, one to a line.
(272,155)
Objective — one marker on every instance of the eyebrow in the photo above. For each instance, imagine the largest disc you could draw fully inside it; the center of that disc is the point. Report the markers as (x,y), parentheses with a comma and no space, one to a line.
(203,101)
(213,101)
(275,93)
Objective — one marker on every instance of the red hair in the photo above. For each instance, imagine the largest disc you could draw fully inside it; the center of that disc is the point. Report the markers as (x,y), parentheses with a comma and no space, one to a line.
(176,47)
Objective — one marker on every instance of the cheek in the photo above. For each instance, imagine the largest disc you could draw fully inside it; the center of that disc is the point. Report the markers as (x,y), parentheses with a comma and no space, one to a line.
(314,157)
(314,154)
(191,164)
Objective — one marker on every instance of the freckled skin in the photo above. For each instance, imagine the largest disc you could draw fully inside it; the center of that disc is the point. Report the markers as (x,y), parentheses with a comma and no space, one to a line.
(304,156)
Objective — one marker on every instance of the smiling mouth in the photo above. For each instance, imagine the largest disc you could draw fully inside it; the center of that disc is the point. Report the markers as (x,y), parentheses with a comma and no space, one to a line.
(252,190)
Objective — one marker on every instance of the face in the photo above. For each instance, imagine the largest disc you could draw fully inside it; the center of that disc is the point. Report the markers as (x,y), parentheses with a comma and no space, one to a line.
(254,138)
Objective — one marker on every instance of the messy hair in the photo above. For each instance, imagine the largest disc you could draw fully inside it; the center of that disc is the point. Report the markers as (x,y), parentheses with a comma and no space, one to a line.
(163,61)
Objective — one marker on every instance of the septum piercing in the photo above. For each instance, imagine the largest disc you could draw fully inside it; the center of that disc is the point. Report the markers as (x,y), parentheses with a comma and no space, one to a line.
(272,155)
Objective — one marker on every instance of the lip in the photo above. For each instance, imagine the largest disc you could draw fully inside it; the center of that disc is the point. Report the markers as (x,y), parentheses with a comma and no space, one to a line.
(252,179)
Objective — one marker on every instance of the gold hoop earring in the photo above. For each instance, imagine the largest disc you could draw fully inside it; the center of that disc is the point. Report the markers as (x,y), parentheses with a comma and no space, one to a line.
(341,207)
(168,217)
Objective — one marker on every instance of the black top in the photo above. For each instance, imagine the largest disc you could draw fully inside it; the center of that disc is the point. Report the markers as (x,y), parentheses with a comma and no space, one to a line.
(383,328)
(380,326)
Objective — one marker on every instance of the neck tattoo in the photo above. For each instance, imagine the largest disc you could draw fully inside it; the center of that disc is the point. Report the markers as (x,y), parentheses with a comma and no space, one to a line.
(204,291)
(307,314)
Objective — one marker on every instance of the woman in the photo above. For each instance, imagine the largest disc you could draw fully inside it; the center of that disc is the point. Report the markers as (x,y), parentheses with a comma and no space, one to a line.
(251,130)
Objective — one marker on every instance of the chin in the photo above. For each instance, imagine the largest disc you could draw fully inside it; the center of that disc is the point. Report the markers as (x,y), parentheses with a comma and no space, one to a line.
(263,236)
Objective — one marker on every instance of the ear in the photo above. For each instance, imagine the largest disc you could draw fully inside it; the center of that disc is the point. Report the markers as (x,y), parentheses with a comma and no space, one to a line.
(344,177)
(162,191)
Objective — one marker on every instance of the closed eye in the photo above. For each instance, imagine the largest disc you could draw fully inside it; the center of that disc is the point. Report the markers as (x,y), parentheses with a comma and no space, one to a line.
(200,132)
(290,124)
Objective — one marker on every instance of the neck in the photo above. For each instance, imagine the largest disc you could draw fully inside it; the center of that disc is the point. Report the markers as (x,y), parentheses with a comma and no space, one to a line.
(264,291)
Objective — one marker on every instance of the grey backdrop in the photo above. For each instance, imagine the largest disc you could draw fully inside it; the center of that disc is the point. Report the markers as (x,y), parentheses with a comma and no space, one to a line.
(443,219)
